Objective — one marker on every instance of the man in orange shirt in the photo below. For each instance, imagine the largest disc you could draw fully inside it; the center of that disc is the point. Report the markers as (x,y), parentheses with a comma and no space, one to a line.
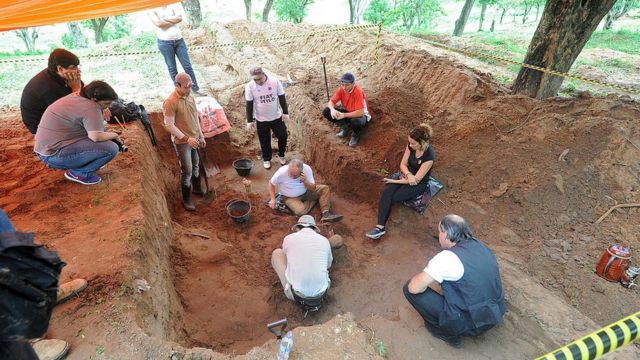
(352,113)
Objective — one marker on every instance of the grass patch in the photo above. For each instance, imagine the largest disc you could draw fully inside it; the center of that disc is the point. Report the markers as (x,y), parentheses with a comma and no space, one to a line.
(623,40)
(381,348)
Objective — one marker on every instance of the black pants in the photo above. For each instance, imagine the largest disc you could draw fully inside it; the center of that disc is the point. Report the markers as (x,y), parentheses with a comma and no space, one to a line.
(394,193)
(17,350)
(264,136)
(355,124)
(429,304)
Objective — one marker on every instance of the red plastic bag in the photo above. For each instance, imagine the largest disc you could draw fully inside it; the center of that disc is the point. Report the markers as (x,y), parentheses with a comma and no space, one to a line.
(213,120)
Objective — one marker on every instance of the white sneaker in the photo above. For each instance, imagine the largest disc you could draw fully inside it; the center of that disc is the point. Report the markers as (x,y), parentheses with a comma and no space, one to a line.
(266,164)
(282,160)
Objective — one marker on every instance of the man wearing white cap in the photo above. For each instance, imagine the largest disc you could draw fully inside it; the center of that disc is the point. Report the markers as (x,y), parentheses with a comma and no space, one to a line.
(303,262)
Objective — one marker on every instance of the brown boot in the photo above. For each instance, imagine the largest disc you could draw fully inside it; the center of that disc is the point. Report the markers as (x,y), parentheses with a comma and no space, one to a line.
(186,198)
(50,349)
(70,289)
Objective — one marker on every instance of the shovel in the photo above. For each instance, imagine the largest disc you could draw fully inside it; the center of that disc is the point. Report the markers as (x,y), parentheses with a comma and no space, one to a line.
(324,68)
(210,169)
(208,195)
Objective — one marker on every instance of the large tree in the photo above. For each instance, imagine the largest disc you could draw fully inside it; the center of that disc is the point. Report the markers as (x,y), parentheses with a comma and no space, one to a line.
(292,10)
(564,29)
(98,26)
(464,16)
(356,9)
(193,12)
(77,37)
(620,9)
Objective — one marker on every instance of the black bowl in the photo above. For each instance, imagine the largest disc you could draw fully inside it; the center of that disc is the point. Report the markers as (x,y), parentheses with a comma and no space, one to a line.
(239,210)
(243,166)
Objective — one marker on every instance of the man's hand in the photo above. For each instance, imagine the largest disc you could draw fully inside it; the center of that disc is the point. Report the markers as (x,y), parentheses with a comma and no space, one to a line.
(106,114)
(339,115)
(249,126)
(193,142)
(72,78)
(285,117)
(202,142)
(334,113)
(272,203)
(303,177)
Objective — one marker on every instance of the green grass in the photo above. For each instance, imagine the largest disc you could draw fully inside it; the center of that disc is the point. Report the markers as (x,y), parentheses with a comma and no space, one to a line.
(625,40)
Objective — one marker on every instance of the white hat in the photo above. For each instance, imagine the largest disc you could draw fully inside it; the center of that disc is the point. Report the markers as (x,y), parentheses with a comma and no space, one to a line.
(306,221)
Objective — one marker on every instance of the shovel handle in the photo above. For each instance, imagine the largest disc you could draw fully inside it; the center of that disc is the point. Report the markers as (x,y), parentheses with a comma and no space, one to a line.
(277,332)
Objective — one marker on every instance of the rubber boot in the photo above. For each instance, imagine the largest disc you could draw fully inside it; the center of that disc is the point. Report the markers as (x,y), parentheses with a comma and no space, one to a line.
(186,198)
(197,186)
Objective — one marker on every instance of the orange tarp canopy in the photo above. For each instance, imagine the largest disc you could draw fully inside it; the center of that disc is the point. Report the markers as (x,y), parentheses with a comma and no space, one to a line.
(17,14)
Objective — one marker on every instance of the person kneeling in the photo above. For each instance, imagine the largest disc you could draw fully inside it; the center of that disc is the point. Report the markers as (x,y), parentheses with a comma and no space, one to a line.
(299,190)
(459,293)
(303,263)
(71,135)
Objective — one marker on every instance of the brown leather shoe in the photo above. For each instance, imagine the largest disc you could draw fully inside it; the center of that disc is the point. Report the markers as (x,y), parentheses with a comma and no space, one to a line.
(50,349)
(70,289)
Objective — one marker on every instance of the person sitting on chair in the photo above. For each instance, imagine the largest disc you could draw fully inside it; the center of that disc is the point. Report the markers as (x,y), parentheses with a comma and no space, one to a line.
(303,262)
(415,167)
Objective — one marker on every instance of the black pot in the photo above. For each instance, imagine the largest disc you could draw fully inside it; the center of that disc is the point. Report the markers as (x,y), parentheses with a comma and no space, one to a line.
(243,166)
(239,210)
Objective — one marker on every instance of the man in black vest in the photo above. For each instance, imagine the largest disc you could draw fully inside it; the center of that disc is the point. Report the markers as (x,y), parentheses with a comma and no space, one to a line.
(459,293)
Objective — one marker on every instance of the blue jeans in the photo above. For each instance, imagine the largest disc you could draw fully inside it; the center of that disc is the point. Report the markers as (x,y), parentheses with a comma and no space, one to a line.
(189,162)
(169,50)
(5,223)
(83,157)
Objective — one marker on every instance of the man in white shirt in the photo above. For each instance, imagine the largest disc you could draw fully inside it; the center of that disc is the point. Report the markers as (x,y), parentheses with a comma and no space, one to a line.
(303,262)
(171,44)
(299,191)
(267,104)
(459,293)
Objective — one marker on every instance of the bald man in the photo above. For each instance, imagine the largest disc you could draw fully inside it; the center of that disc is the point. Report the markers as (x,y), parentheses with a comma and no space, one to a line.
(459,293)
(181,120)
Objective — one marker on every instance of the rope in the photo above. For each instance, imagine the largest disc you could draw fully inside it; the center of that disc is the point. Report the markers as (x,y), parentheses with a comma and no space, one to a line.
(528,66)
(210,46)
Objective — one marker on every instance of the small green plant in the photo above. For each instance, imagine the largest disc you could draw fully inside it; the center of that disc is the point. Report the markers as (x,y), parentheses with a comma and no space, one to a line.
(99,349)
(381,348)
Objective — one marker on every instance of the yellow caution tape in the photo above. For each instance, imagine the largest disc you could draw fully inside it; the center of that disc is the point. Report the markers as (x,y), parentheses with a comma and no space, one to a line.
(211,46)
(599,342)
(528,66)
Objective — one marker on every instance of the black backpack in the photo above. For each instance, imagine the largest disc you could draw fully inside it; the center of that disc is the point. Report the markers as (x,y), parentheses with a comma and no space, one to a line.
(28,286)
(124,112)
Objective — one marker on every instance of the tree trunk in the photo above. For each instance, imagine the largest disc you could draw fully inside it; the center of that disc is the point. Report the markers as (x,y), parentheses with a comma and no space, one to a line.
(504,12)
(525,14)
(267,9)
(79,41)
(464,16)
(608,22)
(98,25)
(564,29)
(483,10)
(193,12)
(29,39)
(352,11)
(537,10)
(247,9)
(493,25)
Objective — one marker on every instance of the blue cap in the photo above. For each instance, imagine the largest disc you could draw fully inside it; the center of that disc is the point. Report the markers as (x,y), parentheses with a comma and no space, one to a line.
(348,78)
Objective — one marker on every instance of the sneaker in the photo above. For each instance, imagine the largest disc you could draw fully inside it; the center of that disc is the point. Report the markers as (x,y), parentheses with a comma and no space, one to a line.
(455,342)
(266,164)
(69,289)
(342,133)
(84,180)
(328,216)
(376,233)
(282,160)
(354,140)
(50,349)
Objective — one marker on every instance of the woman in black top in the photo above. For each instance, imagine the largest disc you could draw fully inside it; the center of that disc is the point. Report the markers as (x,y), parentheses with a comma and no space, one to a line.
(415,167)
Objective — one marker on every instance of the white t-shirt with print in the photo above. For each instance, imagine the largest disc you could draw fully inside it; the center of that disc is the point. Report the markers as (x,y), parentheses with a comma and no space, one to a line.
(288,186)
(445,266)
(266,106)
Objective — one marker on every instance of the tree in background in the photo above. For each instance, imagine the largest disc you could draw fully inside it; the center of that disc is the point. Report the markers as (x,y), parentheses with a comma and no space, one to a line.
(193,12)
(292,10)
(564,29)
(105,30)
(247,9)
(74,39)
(266,10)
(377,11)
(462,19)
(28,37)
(619,9)
(97,25)
(356,9)
(407,15)
(483,10)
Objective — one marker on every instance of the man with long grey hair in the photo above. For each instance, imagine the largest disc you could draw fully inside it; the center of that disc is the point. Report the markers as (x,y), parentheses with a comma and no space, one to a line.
(299,190)
(459,293)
